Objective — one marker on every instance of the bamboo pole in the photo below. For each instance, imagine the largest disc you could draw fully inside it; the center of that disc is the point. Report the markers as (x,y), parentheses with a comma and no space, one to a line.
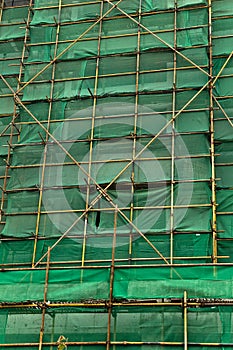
(68,47)
(75,264)
(90,160)
(111,282)
(117,36)
(127,265)
(201,6)
(124,305)
(224,112)
(14,116)
(193,97)
(108,209)
(44,303)
(41,189)
(212,138)
(111,75)
(1,9)
(138,343)
(161,40)
(102,192)
(185,322)
(119,115)
(136,113)
(69,187)
(172,212)
(123,343)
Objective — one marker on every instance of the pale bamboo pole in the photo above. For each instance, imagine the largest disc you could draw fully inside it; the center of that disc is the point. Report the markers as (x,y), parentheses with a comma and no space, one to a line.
(75,264)
(68,47)
(1,9)
(111,281)
(110,75)
(185,321)
(115,36)
(173,137)
(183,107)
(136,112)
(223,111)
(156,302)
(45,300)
(123,343)
(43,168)
(90,160)
(212,139)
(12,125)
(103,192)
(110,209)
(157,37)
(120,160)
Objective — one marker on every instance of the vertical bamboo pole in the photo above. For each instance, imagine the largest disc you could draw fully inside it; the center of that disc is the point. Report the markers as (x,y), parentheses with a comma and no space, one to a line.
(53,329)
(173,136)
(9,150)
(45,299)
(212,147)
(47,138)
(135,126)
(92,134)
(12,125)
(1,9)
(185,322)
(115,331)
(111,281)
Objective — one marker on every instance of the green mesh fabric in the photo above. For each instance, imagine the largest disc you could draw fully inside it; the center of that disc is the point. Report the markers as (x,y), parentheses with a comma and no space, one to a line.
(128,106)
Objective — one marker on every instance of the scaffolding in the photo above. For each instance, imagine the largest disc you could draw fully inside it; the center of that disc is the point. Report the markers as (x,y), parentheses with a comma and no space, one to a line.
(116,183)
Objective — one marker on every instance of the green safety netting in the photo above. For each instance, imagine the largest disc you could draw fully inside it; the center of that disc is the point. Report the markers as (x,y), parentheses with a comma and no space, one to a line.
(30,286)
(77,285)
(82,108)
(84,71)
(116,76)
(12,32)
(94,120)
(118,44)
(148,5)
(144,324)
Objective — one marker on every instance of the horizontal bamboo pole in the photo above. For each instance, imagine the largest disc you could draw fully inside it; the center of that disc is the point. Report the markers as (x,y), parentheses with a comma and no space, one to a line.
(123,160)
(196,7)
(65,211)
(88,261)
(128,266)
(112,75)
(75,186)
(117,36)
(89,304)
(119,343)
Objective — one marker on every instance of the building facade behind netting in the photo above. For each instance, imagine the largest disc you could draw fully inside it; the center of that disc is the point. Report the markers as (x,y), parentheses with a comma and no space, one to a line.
(116,174)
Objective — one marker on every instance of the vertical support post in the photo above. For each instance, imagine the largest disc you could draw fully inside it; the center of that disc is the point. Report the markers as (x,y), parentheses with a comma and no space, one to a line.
(135,125)
(1,9)
(115,331)
(12,125)
(92,133)
(173,136)
(111,281)
(185,322)
(212,147)
(47,136)
(45,299)
(52,331)
(9,150)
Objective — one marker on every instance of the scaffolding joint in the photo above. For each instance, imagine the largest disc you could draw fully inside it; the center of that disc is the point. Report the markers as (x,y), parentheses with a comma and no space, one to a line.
(42,139)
